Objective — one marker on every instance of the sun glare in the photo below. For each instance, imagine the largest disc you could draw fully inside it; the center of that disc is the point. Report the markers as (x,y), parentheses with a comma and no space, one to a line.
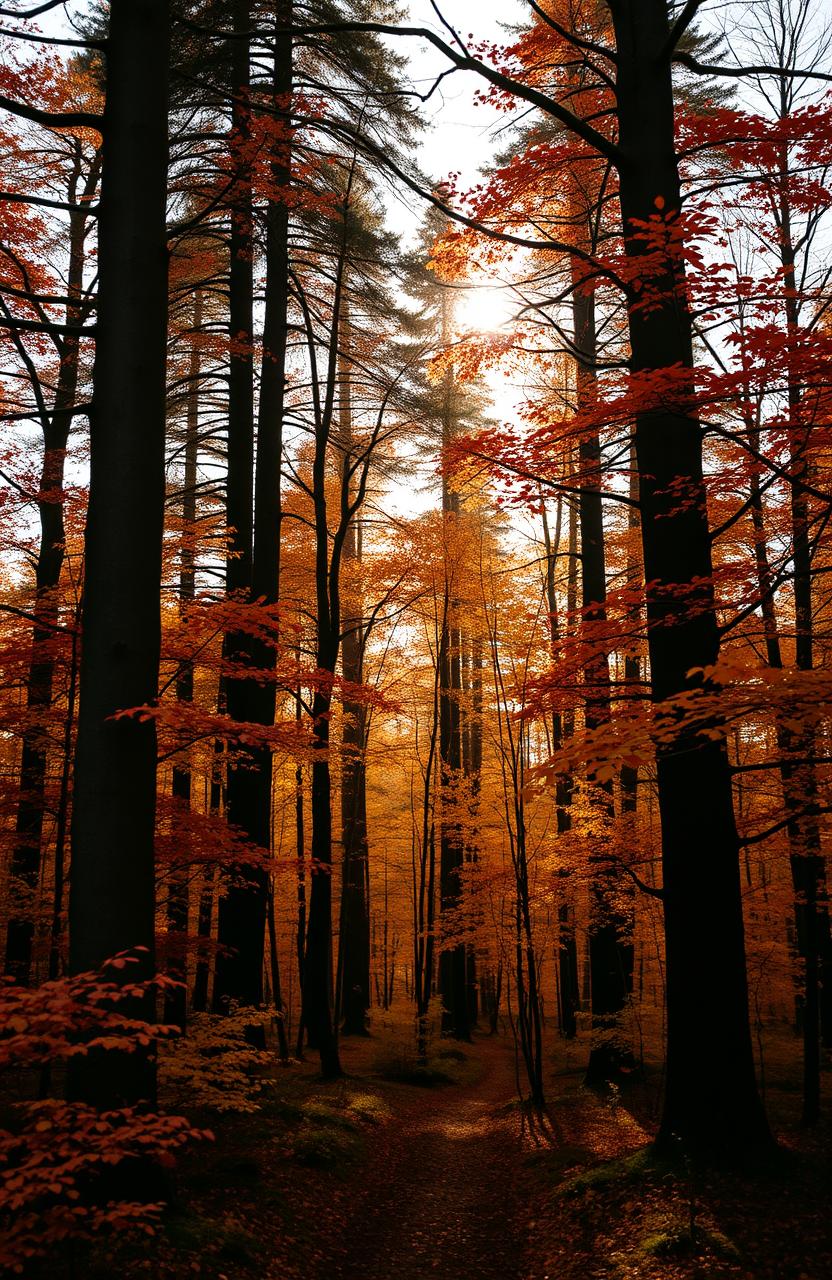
(484,309)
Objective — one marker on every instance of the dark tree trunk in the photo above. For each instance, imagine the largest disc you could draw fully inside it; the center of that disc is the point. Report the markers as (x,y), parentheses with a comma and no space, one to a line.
(632,662)
(562,726)
(800,783)
(711,1100)
(354,936)
(242,910)
(26,856)
(424,876)
(205,909)
(610,945)
(177,904)
(318,986)
(112,904)
(300,846)
(453,965)
(318,993)
(472,766)
(242,916)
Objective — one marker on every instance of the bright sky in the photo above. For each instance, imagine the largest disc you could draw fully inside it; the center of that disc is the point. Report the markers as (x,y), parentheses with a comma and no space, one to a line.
(460,136)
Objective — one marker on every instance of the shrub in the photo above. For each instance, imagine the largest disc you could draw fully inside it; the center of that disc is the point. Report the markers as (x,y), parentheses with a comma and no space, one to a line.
(55,1157)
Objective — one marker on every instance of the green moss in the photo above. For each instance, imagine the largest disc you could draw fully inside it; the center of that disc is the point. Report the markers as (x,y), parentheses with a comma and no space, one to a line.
(320,1113)
(667,1244)
(369,1107)
(632,1168)
(193,1233)
(676,1241)
(324,1148)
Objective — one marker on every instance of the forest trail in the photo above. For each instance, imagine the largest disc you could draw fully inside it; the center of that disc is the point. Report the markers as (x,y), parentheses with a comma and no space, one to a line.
(443,1193)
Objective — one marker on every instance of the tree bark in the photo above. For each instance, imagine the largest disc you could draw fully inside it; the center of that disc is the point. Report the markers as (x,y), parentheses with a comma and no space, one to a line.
(26,859)
(241,917)
(610,945)
(711,1101)
(177,904)
(112,904)
(243,911)
(453,965)
(354,936)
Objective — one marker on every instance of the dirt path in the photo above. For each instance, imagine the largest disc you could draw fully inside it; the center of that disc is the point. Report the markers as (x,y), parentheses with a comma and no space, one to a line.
(443,1193)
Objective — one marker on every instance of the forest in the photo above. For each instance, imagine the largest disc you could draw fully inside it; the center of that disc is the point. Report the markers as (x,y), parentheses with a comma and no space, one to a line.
(415,639)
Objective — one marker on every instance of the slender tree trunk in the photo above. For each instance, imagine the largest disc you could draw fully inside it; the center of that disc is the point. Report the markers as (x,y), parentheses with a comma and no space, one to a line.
(807,860)
(62,822)
(205,909)
(318,989)
(27,852)
(610,945)
(711,1101)
(277,990)
(425,894)
(112,905)
(354,935)
(799,788)
(453,966)
(177,904)
(243,911)
(300,846)
(472,765)
(567,947)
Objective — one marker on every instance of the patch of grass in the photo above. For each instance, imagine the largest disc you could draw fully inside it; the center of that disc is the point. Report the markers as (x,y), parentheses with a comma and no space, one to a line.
(369,1107)
(403,1067)
(321,1113)
(676,1241)
(193,1233)
(324,1148)
(190,1232)
(445,1065)
(667,1244)
(632,1168)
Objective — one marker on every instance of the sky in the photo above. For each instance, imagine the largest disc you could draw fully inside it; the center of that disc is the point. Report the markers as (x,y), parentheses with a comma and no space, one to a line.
(460,137)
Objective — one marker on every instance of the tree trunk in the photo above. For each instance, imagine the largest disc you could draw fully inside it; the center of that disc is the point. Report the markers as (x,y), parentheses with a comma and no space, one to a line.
(318,988)
(562,726)
(453,966)
(807,861)
(112,905)
(711,1101)
(243,911)
(27,853)
(177,905)
(354,935)
(610,945)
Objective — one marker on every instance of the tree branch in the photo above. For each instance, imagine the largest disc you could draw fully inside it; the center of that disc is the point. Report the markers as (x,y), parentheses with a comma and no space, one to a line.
(53,119)
(679,27)
(707,69)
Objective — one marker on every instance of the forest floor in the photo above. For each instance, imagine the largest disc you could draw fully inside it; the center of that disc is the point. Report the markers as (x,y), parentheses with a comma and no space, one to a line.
(394,1175)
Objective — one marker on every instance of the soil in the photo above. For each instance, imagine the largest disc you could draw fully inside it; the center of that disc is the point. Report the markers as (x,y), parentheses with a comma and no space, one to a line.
(442,1193)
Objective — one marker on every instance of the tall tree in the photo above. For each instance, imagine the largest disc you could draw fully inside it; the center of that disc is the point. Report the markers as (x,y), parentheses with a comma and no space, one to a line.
(112,903)
(55,418)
